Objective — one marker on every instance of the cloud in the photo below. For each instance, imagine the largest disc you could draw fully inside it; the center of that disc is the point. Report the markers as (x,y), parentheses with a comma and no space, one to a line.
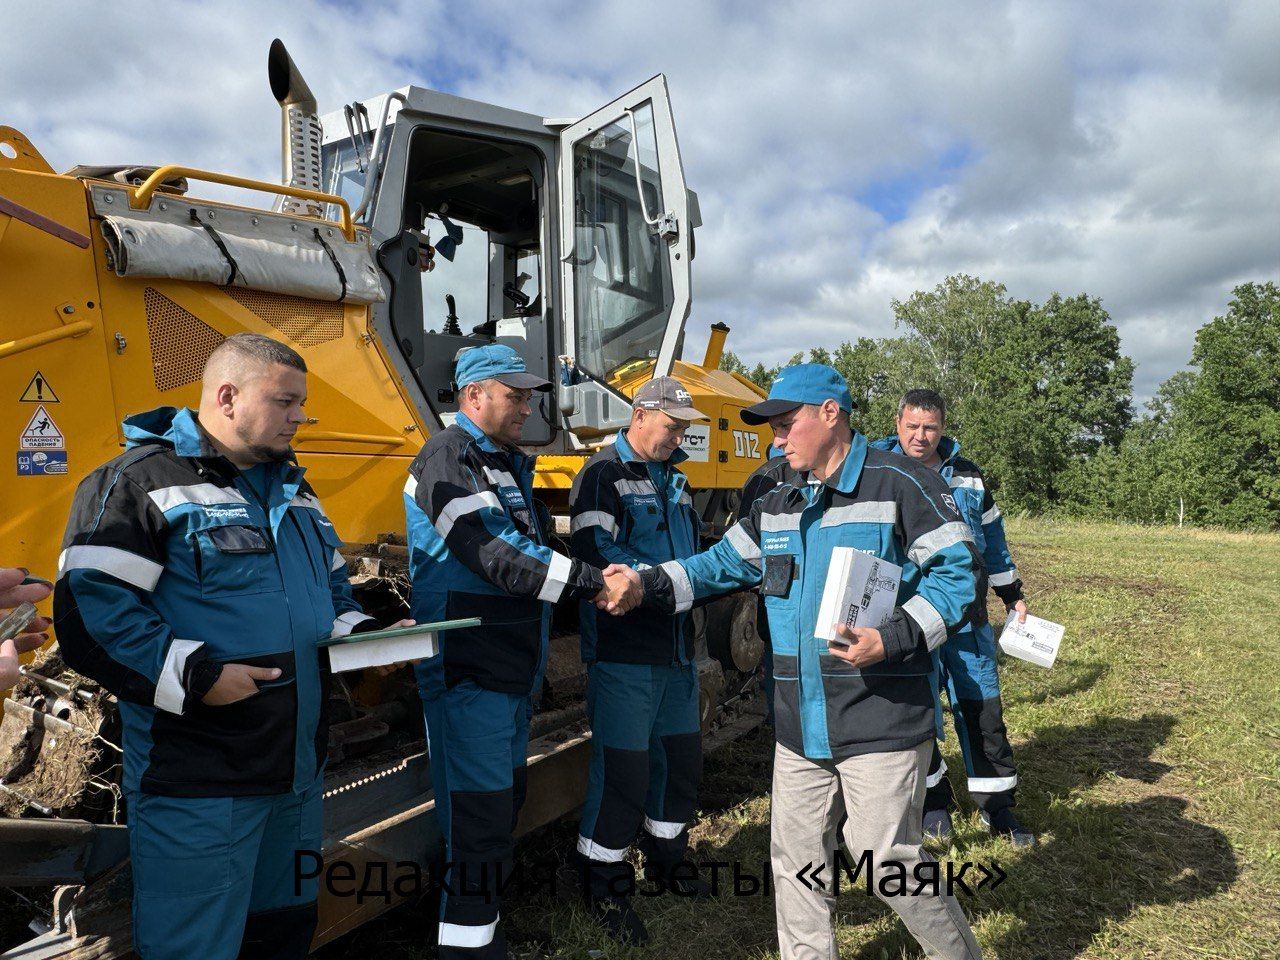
(844,155)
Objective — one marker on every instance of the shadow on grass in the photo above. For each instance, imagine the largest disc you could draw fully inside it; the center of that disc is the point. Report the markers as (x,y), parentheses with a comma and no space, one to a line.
(1076,678)
(1098,861)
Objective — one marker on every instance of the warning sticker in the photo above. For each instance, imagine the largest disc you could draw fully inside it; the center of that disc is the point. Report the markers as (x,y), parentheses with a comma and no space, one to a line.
(40,463)
(39,391)
(41,432)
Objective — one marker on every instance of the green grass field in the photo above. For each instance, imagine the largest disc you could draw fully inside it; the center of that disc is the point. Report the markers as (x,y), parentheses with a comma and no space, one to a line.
(1149,760)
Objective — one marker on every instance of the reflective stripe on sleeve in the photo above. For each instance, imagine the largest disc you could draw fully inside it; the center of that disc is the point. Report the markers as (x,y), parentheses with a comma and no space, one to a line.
(680,585)
(1003,579)
(125,566)
(170,693)
(595,518)
(947,535)
(741,541)
(930,621)
(558,571)
(461,507)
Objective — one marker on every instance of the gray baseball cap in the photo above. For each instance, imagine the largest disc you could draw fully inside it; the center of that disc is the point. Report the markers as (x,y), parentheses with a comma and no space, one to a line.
(668,395)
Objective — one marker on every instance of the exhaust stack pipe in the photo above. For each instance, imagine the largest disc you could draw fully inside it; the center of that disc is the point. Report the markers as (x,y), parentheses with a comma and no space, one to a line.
(300,133)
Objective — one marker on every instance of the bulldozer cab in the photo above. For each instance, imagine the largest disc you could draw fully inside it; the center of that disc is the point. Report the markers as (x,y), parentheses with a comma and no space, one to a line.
(568,241)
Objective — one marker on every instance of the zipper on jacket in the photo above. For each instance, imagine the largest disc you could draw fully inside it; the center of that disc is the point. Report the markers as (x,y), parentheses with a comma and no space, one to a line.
(265,505)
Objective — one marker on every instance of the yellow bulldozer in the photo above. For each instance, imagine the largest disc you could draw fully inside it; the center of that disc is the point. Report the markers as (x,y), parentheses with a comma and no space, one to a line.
(407,228)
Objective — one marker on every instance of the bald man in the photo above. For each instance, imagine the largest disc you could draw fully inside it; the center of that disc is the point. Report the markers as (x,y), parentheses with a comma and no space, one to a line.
(198,572)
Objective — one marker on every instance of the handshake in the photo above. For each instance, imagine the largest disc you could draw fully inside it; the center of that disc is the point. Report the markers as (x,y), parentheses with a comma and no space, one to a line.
(622,591)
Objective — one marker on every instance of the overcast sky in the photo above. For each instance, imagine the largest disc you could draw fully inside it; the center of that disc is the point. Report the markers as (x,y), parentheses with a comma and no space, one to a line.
(845,154)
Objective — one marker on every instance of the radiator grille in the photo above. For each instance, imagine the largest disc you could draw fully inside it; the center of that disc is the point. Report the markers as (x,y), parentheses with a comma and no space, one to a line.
(180,342)
(305,322)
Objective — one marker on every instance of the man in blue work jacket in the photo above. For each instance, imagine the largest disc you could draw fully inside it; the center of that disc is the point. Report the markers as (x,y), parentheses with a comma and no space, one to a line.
(478,548)
(198,572)
(854,723)
(630,505)
(966,665)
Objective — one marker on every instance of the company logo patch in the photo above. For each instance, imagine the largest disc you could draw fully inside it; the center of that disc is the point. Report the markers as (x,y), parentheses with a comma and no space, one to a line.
(950,501)
(227,513)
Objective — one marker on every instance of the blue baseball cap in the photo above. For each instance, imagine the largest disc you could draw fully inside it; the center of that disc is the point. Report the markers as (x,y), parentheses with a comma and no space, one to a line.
(496,361)
(797,385)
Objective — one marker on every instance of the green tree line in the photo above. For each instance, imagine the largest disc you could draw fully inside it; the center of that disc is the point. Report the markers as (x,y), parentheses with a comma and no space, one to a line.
(1041,396)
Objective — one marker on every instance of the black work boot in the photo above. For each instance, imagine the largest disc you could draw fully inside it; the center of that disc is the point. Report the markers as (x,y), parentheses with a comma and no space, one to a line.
(1004,823)
(618,919)
(680,878)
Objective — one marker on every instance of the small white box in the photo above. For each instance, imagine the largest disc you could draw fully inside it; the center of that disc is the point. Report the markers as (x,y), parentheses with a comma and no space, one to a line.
(1036,641)
(861,591)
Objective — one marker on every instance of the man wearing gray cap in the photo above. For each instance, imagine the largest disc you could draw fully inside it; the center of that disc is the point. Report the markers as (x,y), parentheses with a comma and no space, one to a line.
(630,505)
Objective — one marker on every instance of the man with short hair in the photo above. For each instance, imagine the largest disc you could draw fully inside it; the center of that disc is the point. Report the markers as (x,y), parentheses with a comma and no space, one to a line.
(478,547)
(854,722)
(966,664)
(198,573)
(631,505)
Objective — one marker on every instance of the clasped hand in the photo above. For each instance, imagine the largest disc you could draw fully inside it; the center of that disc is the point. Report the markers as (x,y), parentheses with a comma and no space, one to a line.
(622,591)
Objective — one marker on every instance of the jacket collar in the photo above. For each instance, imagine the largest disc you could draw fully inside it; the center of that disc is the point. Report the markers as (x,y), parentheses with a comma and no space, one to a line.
(522,462)
(179,428)
(482,439)
(627,454)
(846,478)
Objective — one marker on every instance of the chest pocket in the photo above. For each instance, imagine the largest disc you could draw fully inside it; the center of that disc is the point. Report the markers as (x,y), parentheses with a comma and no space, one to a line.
(645,515)
(236,559)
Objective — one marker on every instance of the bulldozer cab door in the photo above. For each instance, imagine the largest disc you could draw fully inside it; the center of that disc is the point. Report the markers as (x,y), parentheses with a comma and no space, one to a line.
(625,242)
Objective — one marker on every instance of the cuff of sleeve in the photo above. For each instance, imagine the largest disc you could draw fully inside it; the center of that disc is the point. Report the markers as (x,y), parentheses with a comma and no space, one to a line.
(901,637)
(200,675)
(658,592)
(1009,593)
(367,625)
(585,581)
(353,621)
(171,690)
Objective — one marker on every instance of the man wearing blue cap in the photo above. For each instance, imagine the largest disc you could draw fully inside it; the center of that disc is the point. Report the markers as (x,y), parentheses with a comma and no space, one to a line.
(854,722)
(478,548)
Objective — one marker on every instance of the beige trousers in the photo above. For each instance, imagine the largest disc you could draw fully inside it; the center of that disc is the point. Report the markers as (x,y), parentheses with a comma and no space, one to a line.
(882,795)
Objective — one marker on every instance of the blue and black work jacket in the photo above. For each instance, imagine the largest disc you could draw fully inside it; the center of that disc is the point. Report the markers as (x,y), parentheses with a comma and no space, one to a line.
(978,507)
(478,547)
(887,506)
(174,561)
(639,513)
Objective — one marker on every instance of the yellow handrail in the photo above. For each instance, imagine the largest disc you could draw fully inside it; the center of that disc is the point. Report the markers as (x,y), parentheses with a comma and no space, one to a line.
(318,436)
(141,198)
(79,328)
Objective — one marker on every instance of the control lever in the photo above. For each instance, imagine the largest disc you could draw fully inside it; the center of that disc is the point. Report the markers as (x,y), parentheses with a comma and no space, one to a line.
(451,321)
